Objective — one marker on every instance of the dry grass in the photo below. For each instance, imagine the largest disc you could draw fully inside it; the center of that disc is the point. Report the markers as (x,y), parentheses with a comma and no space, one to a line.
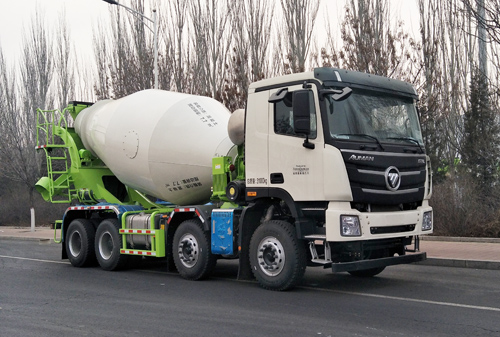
(460,209)
(14,201)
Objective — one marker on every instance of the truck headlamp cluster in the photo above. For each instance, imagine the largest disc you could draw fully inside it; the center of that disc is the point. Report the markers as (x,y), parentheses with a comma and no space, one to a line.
(427,221)
(349,225)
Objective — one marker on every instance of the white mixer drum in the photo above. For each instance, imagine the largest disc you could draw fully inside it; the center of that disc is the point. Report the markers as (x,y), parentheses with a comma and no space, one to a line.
(159,142)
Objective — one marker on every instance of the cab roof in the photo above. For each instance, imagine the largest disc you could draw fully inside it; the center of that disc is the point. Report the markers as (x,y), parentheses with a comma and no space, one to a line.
(334,77)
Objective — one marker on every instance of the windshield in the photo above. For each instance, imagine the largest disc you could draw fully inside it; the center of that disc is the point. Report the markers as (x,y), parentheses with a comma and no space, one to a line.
(372,115)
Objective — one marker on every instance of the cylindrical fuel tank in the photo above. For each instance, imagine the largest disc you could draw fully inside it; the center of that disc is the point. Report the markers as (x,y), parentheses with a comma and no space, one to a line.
(159,142)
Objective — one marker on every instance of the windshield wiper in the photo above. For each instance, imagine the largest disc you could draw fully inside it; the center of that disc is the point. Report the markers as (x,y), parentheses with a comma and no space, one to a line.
(364,135)
(409,139)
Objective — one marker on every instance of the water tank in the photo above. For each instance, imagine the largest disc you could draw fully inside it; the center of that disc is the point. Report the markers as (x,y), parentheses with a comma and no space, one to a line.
(159,142)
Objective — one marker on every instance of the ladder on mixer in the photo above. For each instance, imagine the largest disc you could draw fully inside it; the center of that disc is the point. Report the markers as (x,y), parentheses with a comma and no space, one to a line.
(58,182)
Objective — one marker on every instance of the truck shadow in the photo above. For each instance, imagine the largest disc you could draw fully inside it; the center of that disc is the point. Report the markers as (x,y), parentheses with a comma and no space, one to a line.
(393,279)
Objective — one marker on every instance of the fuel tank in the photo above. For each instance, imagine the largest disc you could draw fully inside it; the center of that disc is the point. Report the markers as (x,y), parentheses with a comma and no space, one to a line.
(159,142)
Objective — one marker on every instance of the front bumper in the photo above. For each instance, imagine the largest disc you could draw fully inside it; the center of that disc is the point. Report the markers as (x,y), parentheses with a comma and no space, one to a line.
(375,225)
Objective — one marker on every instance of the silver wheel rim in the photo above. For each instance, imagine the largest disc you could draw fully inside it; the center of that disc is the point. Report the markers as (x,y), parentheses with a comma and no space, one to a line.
(75,243)
(106,245)
(188,250)
(271,256)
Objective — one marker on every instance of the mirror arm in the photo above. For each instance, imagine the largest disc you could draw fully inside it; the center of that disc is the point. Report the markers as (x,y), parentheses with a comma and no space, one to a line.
(307,144)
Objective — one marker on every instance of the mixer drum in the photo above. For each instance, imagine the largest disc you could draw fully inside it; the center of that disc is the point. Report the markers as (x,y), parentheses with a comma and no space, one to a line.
(159,142)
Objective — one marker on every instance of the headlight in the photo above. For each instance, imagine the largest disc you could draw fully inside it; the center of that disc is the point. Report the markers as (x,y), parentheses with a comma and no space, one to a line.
(427,221)
(349,225)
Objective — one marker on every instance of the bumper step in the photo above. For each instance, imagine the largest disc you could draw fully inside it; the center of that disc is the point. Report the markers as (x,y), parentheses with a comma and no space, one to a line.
(377,263)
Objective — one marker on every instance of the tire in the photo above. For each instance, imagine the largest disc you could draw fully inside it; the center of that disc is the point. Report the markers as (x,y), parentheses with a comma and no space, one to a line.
(367,272)
(277,258)
(191,251)
(107,245)
(80,243)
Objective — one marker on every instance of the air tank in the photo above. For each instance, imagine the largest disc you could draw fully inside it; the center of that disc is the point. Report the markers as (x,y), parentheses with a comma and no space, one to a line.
(159,142)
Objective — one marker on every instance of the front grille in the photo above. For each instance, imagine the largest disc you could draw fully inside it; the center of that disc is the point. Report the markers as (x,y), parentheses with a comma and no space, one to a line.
(392,229)
(368,180)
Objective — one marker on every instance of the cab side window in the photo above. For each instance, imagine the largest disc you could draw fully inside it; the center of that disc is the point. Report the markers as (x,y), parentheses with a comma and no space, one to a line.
(283,117)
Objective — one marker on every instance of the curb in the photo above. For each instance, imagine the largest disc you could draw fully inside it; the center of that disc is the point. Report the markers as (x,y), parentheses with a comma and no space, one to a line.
(16,238)
(457,263)
(459,239)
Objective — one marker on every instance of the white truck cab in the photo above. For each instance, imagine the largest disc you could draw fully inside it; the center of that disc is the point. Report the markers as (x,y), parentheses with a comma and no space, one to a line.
(343,151)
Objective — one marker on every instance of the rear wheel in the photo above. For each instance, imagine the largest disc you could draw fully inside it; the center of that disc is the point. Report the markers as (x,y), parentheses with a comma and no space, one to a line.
(80,243)
(277,257)
(108,244)
(191,251)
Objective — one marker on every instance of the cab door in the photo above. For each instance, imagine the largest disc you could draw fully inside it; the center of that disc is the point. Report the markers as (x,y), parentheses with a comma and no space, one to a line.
(295,163)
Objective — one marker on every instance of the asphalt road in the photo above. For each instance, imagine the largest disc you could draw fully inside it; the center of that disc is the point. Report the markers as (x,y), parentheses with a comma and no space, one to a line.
(40,295)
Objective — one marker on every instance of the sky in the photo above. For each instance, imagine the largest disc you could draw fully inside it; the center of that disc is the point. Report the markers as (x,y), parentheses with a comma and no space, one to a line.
(16,15)
(83,15)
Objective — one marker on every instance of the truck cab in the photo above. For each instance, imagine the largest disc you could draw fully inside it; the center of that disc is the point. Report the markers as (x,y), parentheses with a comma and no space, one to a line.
(342,153)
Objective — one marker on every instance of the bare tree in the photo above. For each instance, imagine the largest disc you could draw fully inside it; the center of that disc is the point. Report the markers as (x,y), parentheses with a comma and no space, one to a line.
(125,58)
(251,23)
(18,122)
(211,39)
(433,127)
(175,28)
(102,56)
(258,26)
(459,107)
(8,108)
(447,58)
(64,67)
(485,13)
(37,65)
(372,44)
(295,37)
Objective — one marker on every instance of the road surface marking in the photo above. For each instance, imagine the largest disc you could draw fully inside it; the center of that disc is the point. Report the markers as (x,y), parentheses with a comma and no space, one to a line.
(28,259)
(404,299)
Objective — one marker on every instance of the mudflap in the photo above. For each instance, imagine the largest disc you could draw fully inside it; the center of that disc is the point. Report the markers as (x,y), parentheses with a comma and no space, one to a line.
(244,269)
(249,221)
(377,263)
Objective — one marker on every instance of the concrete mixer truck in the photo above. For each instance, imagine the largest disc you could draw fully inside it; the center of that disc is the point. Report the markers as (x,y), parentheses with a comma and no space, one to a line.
(324,168)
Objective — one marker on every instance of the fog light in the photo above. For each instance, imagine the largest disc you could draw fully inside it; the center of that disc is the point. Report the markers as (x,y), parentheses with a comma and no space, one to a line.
(350,225)
(427,221)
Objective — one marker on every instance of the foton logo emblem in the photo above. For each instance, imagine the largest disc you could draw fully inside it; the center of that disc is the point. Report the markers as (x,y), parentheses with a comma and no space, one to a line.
(392,178)
(361,158)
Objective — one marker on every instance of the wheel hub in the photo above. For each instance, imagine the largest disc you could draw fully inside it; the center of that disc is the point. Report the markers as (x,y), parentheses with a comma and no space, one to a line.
(75,243)
(188,250)
(106,245)
(271,256)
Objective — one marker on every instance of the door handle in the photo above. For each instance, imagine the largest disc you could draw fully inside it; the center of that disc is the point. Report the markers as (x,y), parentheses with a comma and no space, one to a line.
(277,178)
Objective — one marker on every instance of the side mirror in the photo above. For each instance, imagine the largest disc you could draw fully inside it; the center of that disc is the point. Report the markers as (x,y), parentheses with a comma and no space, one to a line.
(302,112)
(337,95)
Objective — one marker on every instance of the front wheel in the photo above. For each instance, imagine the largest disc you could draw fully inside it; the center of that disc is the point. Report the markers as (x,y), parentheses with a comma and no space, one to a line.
(108,244)
(277,257)
(191,251)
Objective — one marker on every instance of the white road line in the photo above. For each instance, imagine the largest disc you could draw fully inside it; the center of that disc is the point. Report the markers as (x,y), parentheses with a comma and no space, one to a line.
(395,298)
(28,259)
(404,299)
